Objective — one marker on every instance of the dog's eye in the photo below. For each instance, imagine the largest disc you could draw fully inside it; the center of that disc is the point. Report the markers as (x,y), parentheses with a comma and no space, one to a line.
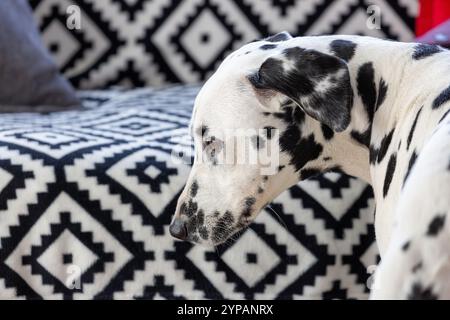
(212,146)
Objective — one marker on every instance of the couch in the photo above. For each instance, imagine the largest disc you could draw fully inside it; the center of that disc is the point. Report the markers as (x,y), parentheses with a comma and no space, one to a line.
(86,196)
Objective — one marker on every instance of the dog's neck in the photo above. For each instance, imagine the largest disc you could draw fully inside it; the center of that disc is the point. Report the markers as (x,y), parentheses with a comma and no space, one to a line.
(350,157)
(372,114)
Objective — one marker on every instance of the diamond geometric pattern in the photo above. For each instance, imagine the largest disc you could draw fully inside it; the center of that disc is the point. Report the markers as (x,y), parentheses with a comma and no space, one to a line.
(152,42)
(79,255)
(251,273)
(84,213)
(86,196)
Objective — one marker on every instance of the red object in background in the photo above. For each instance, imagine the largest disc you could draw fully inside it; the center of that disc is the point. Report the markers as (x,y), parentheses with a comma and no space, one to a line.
(439,35)
(431,14)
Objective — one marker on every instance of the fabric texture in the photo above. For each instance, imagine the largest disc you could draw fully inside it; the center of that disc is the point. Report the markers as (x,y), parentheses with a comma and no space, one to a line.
(154,42)
(86,198)
(28,75)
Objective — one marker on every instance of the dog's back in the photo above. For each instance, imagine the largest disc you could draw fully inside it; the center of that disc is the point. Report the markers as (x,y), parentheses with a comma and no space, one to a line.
(417,263)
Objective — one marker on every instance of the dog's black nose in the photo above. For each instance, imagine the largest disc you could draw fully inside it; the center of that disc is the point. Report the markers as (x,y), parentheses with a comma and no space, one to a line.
(178,229)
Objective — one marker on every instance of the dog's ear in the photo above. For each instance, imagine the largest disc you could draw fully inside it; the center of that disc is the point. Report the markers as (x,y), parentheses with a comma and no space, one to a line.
(317,82)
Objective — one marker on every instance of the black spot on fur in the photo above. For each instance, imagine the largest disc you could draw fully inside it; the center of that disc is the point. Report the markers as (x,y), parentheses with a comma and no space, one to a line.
(258,142)
(327,132)
(389,173)
(423,50)
(194,189)
(223,228)
(406,245)
(362,137)
(366,88)
(289,138)
(301,150)
(203,232)
(250,201)
(192,225)
(326,158)
(191,208)
(281,36)
(280,168)
(384,146)
(265,178)
(248,206)
(200,217)
(444,115)
(418,292)
(411,163)
(436,225)
(309,173)
(382,91)
(344,49)
(377,155)
(268,46)
(399,145)
(417,267)
(413,128)
(442,98)
(260,190)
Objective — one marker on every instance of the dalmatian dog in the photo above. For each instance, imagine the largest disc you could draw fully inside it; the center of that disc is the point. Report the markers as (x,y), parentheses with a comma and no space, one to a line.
(374,109)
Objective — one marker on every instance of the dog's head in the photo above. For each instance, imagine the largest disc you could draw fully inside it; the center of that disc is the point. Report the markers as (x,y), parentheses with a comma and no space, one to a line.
(259,125)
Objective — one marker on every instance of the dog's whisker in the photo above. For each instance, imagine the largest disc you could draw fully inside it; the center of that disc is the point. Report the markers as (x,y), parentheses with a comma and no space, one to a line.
(278,216)
(232,239)
(217,251)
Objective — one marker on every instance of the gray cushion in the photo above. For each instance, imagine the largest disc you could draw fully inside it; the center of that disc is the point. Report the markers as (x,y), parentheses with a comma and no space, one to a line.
(28,75)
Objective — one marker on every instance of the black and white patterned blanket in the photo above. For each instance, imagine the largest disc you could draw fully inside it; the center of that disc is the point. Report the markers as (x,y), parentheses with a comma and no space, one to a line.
(153,42)
(86,198)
